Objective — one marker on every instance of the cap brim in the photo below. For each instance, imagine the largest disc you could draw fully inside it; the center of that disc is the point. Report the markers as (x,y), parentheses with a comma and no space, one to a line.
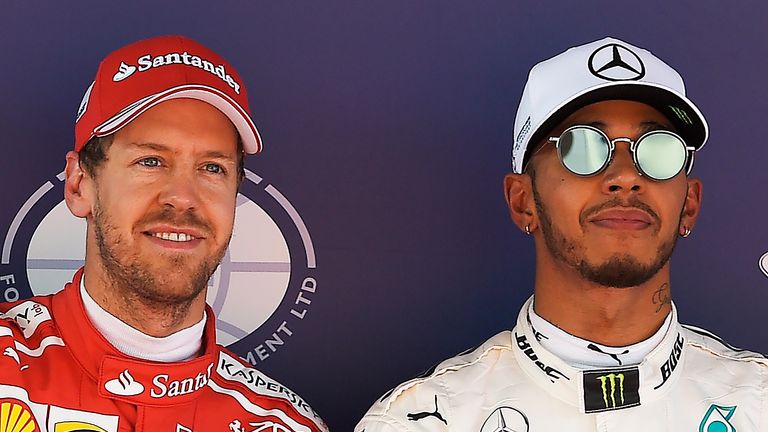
(684,115)
(236,114)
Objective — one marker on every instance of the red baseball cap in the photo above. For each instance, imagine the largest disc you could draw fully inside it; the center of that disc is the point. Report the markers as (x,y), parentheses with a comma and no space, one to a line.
(139,76)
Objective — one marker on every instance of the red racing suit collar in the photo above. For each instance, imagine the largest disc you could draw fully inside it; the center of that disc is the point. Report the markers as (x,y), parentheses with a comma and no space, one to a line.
(121,377)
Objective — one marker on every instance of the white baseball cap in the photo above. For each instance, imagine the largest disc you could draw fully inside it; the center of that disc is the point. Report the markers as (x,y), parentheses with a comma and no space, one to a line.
(608,69)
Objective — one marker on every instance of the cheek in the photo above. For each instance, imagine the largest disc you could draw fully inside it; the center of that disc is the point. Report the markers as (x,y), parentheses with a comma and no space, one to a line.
(671,203)
(122,203)
(219,205)
(564,201)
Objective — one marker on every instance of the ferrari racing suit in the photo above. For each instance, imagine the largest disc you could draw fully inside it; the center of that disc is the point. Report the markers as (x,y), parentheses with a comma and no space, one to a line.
(692,381)
(59,374)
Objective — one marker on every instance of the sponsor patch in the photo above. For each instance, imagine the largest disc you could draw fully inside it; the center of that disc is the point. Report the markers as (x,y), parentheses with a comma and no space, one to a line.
(611,389)
(506,419)
(16,416)
(70,420)
(28,316)
(674,357)
(527,349)
(136,382)
(231,369)
(265,426)
(147,62)
(19,414)
(717,419)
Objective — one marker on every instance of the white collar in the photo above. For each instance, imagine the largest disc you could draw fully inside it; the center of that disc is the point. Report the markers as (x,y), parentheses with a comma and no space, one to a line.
(606,388)
(584,354)
(180,346)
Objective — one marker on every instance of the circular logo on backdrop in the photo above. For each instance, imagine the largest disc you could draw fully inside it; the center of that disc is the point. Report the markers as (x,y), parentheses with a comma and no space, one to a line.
(764,263)
(614,62)
(260,292)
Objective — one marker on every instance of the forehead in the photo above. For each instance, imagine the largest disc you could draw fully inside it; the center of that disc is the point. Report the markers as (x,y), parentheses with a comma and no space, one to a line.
(617,114)
(181,125)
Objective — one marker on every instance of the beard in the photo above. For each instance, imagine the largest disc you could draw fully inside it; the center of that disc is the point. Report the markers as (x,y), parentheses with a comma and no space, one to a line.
(167,283)
(621,270)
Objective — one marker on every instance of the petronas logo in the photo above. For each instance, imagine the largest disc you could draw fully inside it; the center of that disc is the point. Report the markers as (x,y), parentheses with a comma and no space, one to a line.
(718,419)
(610,383)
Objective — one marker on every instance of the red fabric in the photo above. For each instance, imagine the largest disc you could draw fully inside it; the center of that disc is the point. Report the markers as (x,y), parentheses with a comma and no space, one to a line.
(57,370)
(137,76)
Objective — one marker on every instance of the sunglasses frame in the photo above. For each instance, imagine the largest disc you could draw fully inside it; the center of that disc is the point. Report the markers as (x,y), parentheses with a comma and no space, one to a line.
(633,144)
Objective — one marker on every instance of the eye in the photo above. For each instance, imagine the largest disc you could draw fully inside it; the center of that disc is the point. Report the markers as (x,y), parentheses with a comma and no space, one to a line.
(150,162)
(214,168)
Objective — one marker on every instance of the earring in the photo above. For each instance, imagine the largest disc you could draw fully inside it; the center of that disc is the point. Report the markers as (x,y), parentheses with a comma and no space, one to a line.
(528,229)
(686,233)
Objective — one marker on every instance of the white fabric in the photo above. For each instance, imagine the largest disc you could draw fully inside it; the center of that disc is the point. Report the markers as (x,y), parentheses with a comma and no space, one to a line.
(182,345)
(691,381)
(555,82)
(577,352)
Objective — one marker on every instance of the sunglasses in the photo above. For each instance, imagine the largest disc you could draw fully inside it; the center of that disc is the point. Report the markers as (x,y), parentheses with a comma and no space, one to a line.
(659,155)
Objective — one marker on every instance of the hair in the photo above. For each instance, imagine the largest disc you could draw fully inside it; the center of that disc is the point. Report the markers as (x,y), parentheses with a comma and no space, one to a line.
(94,153)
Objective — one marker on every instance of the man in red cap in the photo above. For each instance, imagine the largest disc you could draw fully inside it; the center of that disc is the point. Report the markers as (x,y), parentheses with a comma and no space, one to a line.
(129,344)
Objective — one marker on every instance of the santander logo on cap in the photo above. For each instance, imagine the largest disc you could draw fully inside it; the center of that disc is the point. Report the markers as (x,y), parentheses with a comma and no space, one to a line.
(143,74)
(123,72)
(147,62)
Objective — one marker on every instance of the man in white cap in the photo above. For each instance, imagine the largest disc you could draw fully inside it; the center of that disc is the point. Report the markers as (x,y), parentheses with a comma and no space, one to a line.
(130,344)
(604,141)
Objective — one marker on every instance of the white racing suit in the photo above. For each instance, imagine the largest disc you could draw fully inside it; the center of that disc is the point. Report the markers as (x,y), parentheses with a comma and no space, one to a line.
(691,382)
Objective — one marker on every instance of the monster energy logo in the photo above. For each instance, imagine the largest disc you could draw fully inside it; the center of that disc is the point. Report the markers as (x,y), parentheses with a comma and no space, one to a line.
(610,380)
(611,389)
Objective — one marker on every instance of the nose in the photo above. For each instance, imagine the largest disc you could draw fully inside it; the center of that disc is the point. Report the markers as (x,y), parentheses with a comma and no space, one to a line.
(179,191)
(621,175)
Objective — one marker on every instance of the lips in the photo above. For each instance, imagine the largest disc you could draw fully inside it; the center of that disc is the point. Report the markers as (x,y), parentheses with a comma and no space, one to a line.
(177,236)
(622,218)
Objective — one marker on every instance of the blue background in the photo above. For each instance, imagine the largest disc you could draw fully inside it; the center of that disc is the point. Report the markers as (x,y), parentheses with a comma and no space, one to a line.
(388,124)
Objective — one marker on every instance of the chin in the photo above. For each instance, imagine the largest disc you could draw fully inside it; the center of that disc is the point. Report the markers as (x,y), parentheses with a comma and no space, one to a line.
(620,270)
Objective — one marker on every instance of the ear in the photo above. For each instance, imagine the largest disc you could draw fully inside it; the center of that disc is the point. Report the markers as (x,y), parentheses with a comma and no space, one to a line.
(692,205)
(518,192)
(77,187)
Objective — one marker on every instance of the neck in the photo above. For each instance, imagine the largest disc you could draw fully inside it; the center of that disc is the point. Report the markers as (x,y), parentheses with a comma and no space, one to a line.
(606,315)
(148,316)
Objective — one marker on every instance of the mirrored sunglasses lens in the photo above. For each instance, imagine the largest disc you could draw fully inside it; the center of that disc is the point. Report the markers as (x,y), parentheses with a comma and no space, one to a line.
(661,155)
(583,151)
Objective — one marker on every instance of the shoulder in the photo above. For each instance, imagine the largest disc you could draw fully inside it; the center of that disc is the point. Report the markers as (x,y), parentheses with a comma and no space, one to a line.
(245,383)
(23,319)
(26,330)
(402,407)
(707,347)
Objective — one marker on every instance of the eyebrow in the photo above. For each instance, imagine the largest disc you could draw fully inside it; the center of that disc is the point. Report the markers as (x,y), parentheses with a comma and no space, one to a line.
(215,154)
(645,127)
(149,145)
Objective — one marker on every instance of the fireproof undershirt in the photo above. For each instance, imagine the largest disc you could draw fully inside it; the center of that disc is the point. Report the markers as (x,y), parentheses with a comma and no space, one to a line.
(583,354)
(183,345)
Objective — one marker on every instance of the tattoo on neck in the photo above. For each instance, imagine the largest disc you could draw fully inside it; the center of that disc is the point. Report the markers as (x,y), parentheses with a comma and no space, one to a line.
(661,297)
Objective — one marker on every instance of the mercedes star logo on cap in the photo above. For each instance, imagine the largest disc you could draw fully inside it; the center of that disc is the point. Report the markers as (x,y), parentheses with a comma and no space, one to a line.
(614,62)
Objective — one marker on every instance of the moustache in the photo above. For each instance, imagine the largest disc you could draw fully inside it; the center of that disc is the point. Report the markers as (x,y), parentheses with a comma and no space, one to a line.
(169,216)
